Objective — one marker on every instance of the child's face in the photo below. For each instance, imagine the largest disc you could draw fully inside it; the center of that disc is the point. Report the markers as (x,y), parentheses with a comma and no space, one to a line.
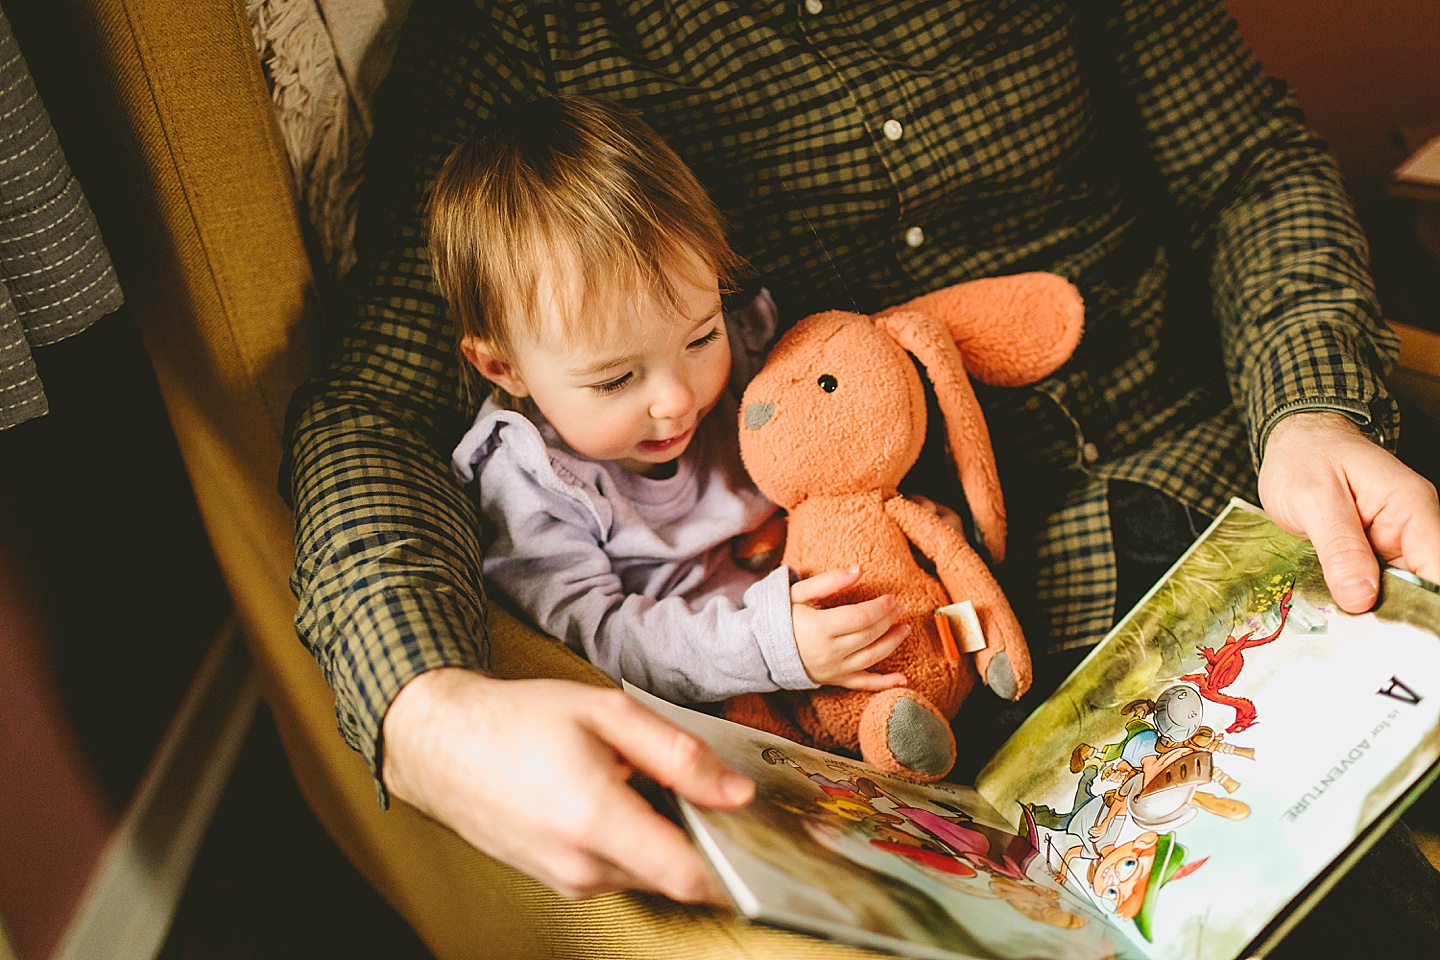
(638,398)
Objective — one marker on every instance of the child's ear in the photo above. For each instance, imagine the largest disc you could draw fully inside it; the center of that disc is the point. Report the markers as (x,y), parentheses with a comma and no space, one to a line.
(486,359)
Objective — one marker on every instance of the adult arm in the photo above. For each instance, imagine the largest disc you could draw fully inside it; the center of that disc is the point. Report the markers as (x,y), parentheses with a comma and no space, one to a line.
(1304,345)
(388,563)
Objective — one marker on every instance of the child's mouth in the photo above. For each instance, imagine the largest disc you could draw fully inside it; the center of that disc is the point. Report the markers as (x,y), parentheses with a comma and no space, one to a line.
(660,446)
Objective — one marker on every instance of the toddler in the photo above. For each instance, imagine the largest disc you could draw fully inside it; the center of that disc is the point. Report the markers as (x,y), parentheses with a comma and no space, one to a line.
(583,264)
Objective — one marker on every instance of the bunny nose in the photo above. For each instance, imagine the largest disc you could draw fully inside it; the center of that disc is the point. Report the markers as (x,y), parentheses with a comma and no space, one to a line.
(758,414)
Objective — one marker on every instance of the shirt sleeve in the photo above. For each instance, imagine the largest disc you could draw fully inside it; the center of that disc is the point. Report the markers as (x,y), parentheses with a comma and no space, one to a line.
(1262,203)
(548,558)
(387,567)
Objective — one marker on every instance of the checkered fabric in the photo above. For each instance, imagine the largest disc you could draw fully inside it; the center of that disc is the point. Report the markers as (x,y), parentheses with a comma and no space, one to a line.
(865,153)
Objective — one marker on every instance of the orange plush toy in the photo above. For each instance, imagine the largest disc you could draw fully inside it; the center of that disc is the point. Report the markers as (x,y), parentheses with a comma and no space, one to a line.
(829,427)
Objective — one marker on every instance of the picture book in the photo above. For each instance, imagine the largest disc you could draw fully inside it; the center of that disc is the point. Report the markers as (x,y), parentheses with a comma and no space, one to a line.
(1419,176)
(1190,791)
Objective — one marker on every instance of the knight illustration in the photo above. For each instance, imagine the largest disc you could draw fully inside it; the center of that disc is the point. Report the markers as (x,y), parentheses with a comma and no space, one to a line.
(1161,769)
(1169,722)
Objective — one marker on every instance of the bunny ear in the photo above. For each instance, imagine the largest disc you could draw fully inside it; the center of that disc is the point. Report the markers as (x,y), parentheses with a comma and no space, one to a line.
(1011,330)
(965,427)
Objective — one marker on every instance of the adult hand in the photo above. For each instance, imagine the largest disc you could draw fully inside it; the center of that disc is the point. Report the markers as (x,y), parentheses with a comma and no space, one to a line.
(947,516)
(535,773)
(1323,479)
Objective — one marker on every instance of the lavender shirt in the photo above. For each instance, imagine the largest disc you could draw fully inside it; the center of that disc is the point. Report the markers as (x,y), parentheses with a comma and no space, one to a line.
(637,574)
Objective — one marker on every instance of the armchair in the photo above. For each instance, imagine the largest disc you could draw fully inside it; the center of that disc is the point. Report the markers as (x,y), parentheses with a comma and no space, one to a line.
(194,196)
(200,213)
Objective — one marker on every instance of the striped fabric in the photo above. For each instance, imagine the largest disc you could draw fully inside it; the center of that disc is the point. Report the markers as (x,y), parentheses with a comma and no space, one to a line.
(865,153)
(55,273)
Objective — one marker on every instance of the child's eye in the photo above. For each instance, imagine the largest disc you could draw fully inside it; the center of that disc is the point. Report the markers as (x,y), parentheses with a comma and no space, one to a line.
(710,337)
(610,386)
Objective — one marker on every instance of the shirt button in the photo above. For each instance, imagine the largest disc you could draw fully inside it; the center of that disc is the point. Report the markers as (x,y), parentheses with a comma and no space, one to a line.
(893,130)
(813,7)
(914,236)
(1091,453)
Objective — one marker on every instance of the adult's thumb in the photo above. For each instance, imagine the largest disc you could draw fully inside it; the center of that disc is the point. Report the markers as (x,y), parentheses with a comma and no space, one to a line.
(1351,571)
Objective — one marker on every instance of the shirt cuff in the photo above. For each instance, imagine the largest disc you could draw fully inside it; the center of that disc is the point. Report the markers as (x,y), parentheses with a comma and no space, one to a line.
(1360,414)
(399,635)
(775,631)
(1327,367)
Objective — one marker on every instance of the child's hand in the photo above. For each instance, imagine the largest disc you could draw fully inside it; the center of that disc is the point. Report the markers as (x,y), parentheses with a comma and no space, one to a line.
(838,645)
(947,516)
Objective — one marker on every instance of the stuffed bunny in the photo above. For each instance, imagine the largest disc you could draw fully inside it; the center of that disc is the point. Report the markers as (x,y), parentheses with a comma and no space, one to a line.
(829,427)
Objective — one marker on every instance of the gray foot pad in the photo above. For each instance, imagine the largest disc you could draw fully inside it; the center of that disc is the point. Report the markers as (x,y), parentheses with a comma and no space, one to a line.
(918,739)
(1000,677)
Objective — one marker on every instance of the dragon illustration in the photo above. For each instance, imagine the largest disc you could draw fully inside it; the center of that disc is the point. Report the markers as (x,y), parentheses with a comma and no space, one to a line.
(1223,666)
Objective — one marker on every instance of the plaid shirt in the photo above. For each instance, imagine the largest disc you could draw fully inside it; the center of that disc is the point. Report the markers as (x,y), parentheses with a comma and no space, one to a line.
(864,153)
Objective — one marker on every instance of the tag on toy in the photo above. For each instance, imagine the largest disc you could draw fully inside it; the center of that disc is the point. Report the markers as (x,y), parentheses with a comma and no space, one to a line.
(959,628)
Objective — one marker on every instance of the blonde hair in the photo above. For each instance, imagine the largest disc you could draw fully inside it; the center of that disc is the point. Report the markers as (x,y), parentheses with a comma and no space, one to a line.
(571,203)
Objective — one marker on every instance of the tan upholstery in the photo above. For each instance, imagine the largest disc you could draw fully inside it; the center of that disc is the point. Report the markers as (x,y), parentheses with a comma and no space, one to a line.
(1417,378)
(216,275)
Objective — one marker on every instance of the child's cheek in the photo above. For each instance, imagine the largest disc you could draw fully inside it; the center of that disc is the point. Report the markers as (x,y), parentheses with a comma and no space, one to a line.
(617,435)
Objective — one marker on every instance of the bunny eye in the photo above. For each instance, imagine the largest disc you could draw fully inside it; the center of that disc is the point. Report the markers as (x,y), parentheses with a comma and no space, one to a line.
(827,383)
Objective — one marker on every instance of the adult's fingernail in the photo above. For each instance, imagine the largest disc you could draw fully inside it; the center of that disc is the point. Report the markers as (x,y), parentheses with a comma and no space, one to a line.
(737,789)
(1358,588)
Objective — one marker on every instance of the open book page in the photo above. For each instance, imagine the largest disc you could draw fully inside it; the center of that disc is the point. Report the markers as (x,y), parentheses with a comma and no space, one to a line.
(1233,736)
(1422,166)
(1418,178)
(835,847)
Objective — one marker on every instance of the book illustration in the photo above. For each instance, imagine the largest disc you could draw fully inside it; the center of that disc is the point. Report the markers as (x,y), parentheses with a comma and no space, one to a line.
(836,847)
(1156,777)
(1225,743)
(945,844)
(1208,772)
(1223,668)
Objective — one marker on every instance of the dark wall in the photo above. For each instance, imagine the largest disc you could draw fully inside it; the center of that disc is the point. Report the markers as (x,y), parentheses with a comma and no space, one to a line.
(1361,70)
(1368,77)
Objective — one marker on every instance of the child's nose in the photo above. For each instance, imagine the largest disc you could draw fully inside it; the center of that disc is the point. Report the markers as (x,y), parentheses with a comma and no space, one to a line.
(673,398)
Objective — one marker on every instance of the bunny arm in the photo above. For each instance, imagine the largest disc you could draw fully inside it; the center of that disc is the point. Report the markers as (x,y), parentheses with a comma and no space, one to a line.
(965,425)
(965,577)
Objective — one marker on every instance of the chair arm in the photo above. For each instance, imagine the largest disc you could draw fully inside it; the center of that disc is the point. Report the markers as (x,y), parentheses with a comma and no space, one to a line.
(1417,375)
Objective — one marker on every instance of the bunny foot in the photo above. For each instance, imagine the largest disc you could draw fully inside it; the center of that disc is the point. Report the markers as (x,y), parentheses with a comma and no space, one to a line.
(1000,677)
(901,732)
(1009,679)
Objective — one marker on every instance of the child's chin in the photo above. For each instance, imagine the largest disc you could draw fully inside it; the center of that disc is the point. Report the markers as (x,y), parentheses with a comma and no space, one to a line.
(655,466)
